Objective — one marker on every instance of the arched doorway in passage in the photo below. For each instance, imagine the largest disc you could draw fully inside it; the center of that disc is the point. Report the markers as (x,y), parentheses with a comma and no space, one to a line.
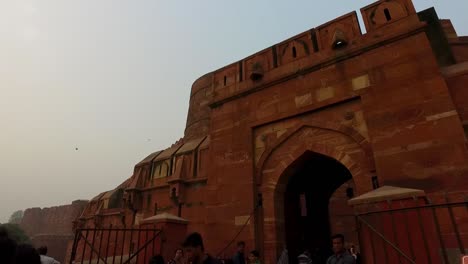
(305,179)
(317,188)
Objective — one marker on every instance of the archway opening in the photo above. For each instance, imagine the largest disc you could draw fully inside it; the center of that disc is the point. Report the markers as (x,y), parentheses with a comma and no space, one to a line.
(315,205)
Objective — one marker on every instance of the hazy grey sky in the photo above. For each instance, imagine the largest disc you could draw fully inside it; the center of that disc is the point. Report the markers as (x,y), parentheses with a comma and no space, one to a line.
(105,76)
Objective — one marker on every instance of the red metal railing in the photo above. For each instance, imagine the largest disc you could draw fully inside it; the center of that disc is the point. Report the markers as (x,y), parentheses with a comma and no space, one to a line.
(429,234)
(115,245)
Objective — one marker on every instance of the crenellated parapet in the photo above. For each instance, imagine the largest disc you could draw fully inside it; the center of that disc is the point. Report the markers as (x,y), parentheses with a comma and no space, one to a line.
(382,13)
(312,50)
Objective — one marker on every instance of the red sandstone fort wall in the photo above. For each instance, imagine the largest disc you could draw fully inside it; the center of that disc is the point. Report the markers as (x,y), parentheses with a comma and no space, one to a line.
(458,84)
(460,49)
(52,227)
(459,45)
(52,220)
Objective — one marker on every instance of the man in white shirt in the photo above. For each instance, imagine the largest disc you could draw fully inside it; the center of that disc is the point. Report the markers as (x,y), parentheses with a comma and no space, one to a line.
(44,258)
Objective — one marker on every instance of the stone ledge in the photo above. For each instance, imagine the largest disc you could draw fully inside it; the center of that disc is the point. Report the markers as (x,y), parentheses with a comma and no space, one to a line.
(386,193)
(164,217)
(455,70)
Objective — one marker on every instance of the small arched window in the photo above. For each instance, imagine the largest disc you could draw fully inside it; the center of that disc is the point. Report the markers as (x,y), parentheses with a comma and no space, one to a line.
(294,52)
(225,80)
(155,208)
(148,200)
(164,171)
(375,182)
(387,14)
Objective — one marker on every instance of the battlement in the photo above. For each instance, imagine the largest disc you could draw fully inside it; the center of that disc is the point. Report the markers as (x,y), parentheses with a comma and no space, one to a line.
(327,44)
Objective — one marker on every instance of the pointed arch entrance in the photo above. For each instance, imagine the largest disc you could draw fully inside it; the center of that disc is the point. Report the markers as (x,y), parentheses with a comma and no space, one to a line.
(310,213)
(305,180)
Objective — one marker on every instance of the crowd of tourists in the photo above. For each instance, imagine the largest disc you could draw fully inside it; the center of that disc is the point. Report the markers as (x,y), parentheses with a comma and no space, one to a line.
(193,252)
